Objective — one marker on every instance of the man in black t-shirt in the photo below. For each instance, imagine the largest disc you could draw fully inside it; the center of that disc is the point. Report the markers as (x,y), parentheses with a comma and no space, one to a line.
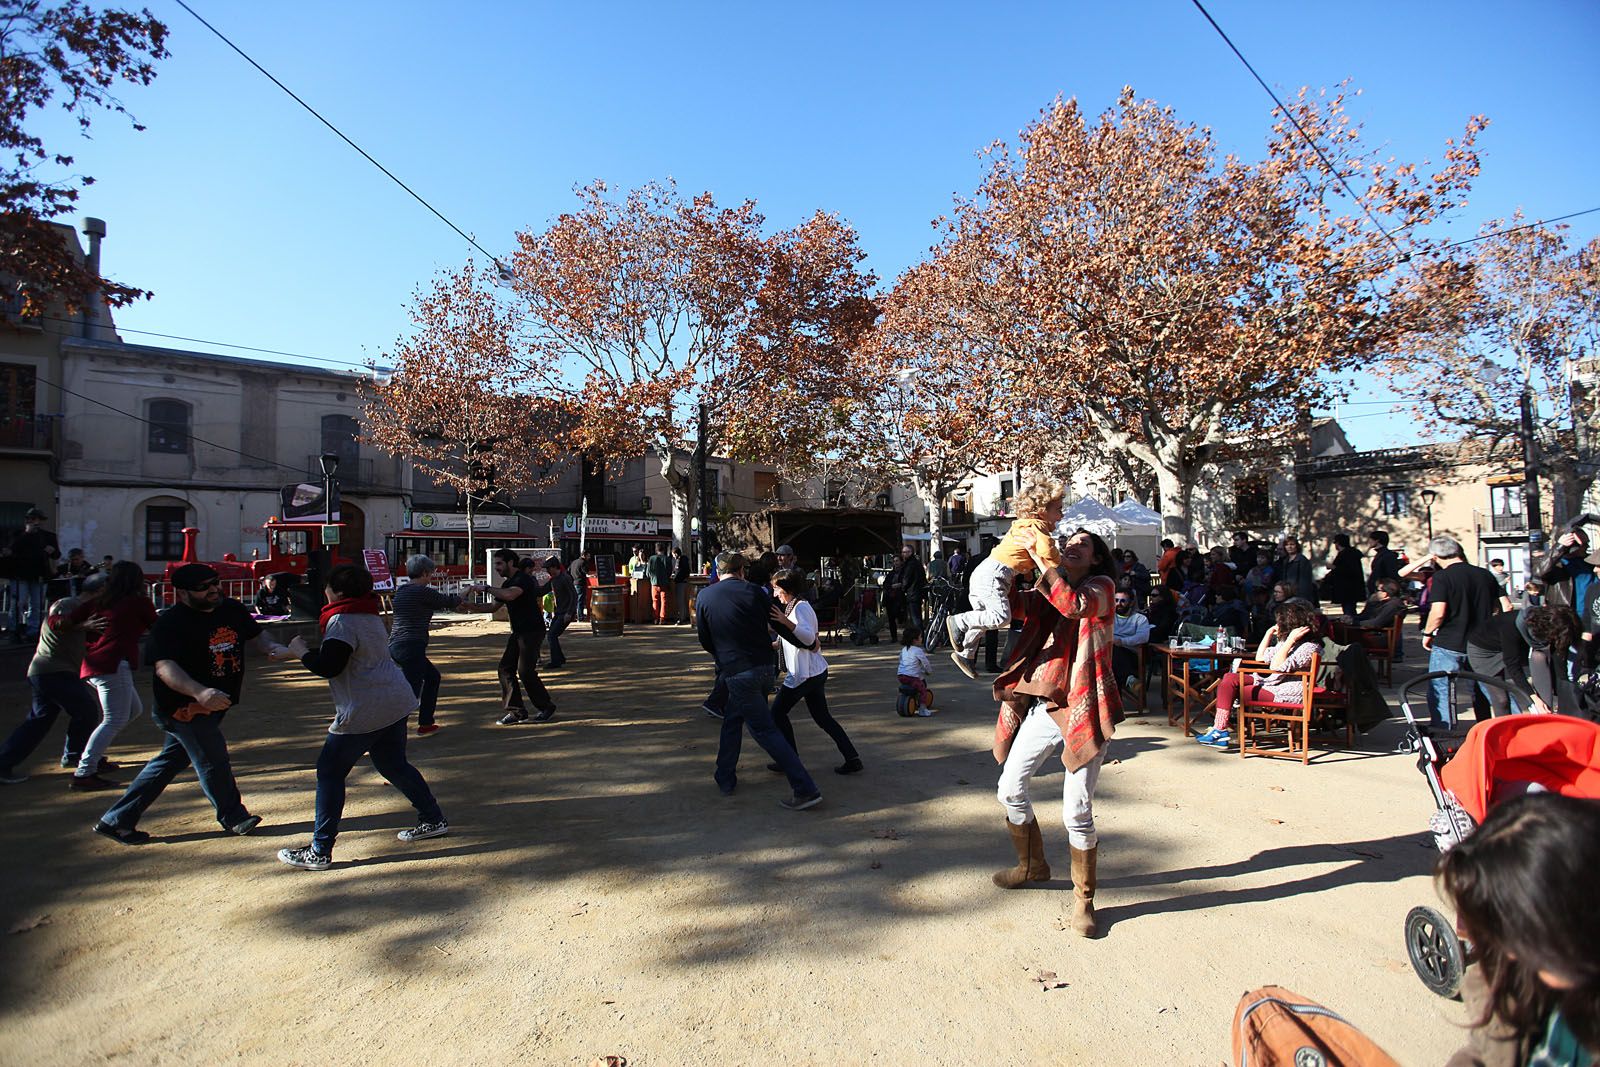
(1459,598)
(197,647)
(521,594)
(34,552)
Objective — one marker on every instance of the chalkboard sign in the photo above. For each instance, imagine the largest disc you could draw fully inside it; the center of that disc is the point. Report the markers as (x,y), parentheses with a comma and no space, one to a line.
(605,568)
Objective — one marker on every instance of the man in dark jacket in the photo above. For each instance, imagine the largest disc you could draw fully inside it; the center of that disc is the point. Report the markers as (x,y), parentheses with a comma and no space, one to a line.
(34,552)
(1385,561)
(680,585)
(566,595)
(579,570)
(908,584)
(733,618)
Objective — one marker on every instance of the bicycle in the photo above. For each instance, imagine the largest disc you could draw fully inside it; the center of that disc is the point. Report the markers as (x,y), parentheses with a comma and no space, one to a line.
(943,594)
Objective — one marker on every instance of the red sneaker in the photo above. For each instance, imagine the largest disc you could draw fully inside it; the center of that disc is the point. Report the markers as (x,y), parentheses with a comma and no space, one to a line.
(428,729)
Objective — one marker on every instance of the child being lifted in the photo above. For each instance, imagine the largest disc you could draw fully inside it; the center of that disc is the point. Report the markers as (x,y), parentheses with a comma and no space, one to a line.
(1038,510)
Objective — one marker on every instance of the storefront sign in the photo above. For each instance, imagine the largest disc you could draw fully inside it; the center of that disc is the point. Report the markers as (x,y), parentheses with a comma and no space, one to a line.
(604,526)
(450,522)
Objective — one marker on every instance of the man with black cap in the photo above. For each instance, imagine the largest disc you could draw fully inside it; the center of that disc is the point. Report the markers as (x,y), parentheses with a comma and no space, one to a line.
(197,646)
(34,552)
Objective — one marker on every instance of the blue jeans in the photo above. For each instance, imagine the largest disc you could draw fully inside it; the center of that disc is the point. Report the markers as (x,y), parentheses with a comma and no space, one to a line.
(198,742)
(27,599)
(53,694)
(558,624)
(341,752)
(747,705)
(1439,708)
(412,659)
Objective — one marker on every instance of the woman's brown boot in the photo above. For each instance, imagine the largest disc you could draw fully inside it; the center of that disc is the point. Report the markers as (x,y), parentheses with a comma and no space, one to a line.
(1083,878)
(1031,866)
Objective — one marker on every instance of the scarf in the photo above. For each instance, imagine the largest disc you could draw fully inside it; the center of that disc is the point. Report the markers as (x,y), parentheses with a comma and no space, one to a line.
(359,605)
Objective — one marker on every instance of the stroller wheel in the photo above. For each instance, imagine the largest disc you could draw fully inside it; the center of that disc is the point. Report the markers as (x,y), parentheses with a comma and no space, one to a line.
(1435,950)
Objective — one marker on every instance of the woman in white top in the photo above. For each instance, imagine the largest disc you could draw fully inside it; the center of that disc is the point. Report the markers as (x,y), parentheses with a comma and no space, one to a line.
(807,676)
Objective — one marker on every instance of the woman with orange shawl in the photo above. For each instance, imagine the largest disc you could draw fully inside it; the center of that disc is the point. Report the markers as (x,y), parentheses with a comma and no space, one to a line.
(1059,686)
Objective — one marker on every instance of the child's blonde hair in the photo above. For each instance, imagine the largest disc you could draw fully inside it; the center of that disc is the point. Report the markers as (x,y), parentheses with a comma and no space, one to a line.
(1036,498)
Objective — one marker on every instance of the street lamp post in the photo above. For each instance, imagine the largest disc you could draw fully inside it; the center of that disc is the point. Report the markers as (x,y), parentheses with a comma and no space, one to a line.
(1428,496)
(330,466)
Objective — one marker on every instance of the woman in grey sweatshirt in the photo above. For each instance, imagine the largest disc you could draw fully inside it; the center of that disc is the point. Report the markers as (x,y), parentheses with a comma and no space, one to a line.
(371,702)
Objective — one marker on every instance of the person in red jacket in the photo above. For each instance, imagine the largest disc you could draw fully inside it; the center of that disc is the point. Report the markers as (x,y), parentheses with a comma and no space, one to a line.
(109,662)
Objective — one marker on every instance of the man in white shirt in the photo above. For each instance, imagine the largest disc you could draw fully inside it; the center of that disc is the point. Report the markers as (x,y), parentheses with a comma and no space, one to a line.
(1130,631)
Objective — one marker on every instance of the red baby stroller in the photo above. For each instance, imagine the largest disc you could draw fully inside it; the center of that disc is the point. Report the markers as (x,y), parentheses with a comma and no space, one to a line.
(1469,771)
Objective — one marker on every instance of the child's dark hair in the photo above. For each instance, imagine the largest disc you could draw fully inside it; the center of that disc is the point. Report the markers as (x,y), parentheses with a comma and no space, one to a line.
(350,580)
(1523,889)
(910,636)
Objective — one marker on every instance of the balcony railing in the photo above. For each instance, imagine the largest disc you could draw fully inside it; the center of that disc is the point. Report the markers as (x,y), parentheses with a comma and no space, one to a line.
(351,475)
(1371,462)
(1250,515)
(27,431)
(1508,523)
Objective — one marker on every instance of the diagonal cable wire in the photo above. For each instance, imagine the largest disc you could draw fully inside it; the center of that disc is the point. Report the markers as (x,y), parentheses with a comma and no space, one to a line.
(1403,254)
(341,135)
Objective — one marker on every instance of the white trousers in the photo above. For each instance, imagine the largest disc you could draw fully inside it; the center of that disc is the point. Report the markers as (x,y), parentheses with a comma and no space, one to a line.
(991,607)
(1034,743)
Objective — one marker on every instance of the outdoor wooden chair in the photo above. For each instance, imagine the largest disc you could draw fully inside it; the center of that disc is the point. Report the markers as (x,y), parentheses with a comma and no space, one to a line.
(1379,644)
(1257,717)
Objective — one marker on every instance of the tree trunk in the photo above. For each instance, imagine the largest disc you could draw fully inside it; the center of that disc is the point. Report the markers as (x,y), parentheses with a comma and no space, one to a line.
(680,487)
(932,497)
(1177,501)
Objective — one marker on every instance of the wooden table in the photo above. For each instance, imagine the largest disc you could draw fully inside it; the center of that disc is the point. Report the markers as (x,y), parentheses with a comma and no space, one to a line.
(1196,695)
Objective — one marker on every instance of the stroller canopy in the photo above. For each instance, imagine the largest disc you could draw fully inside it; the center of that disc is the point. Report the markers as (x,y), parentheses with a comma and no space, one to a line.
(1503,755)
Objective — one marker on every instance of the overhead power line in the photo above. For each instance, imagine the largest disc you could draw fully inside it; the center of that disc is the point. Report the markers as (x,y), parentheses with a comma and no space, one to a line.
(206,341)
(343,137)
(1404,256)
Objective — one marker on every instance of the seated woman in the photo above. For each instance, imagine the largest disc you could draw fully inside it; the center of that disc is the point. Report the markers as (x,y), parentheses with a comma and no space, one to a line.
(1522,887)
(1289,645)
(1528,648)
(1261,576)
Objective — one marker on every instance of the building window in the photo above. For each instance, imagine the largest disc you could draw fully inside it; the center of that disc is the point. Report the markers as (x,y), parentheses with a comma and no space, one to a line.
(17,386)
(1395,501)
(767,490)
(169,428)
(163,532)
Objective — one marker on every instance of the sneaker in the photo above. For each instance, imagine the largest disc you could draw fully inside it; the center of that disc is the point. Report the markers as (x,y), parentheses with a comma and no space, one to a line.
(11,777)
(545,716)
(926,713)
(1219,739)
(121,836)
(305,858)
(245,825)
(91,783)
(70,760)
(711,711)
(774,768)
(964,664)
(850,766)
(1135,690)
(423,831)
(514,718)
(954,630)
(800,803)
(424,731)
(1205,738)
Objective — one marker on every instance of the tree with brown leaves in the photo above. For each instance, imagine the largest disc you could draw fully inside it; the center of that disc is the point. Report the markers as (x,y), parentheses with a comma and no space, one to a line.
(79,53)
(1512,313)
(1159,299)
(654,305)
(460,403)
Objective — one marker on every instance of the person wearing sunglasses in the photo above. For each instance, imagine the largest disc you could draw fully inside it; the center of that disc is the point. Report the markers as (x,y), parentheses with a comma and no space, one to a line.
(197,646)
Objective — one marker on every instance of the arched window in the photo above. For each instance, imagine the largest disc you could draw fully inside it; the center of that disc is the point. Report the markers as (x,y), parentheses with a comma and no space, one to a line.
(169,427)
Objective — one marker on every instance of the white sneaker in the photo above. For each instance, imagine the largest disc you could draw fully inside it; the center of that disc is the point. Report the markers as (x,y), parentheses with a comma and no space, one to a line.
(926,713)
(965,664)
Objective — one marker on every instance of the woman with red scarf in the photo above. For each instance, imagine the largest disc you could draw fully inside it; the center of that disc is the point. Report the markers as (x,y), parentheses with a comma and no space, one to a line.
(1060,686)
(371,702)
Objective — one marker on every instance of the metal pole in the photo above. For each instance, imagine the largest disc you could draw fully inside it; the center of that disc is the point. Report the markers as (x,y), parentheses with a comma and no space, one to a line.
(1530,477)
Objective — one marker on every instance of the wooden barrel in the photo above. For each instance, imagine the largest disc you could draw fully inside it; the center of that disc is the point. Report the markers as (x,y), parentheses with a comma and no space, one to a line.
(605,609)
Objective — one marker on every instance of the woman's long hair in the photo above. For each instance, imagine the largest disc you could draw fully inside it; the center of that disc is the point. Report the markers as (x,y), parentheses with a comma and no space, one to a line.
(1523,890)
(1292,615)
(124,581)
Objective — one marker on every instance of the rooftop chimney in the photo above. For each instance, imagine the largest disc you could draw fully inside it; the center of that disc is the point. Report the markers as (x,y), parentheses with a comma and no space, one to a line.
(95,230)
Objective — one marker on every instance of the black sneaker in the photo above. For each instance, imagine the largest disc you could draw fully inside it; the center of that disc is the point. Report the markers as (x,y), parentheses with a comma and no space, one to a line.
(9,776)
(514,718)
(124,837)
(850,766)
(775,768)
(801,803)
(245,825)
(711,711)
(91,783)
(307,859)
(545,716)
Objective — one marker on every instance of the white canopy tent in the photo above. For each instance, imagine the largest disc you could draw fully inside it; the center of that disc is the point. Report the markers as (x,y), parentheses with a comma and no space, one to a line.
(1128,525)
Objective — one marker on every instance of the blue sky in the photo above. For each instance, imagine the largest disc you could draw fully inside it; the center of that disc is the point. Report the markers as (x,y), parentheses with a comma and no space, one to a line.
(254,225)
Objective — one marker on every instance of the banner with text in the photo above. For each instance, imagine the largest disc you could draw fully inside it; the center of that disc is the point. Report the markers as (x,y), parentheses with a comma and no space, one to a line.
(456,522)
(610,526)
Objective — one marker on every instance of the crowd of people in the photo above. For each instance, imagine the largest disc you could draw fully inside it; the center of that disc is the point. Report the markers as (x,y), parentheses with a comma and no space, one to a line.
(1075,612)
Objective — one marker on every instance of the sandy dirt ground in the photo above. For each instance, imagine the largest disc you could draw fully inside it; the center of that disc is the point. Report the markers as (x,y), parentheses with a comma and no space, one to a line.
(598,896)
